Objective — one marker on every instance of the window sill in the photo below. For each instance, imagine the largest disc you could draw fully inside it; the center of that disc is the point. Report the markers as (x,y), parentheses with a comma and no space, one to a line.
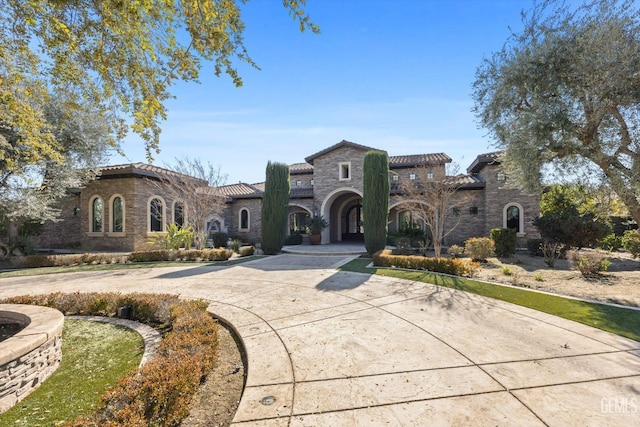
(521,234)
(95,234)
(117,234)
(243,230)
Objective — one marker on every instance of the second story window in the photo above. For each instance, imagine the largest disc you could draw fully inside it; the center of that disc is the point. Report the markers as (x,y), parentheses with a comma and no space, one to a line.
(345,171)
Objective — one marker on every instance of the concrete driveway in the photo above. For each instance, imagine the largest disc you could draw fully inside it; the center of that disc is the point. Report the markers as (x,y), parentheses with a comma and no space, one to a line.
(330,348)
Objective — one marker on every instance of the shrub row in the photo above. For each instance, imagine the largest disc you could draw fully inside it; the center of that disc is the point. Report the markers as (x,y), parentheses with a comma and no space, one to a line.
(32,261)
(219,254)
(71,260)
(456,267)
(160,393)
(147,308)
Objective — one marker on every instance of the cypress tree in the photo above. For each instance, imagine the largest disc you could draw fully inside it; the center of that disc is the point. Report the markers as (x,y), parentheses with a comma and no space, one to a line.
(375,200)
(275,204)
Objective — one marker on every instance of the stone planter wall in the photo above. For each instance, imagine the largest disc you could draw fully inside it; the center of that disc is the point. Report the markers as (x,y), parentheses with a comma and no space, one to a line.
(32,355)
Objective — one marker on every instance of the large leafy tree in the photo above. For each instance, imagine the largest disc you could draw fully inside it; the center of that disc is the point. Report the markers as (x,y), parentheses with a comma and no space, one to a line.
(31,185)
(123,55)
(375,199)
(565,93)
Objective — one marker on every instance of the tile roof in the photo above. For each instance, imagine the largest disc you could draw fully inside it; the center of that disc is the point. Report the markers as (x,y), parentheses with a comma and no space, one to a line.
(300,168)
(418,160)
(484,159)
(144,169)
(239,190)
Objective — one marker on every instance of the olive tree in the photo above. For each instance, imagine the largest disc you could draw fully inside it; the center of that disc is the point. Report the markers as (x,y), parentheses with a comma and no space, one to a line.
(375,199)
(564,95)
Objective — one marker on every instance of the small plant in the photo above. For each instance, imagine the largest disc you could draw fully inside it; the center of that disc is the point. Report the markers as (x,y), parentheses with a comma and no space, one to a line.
(403,246)
(538,277)
(506,271)
(589,264)
(631,242)
(293,239)
(479,248)
(611,243)
(176,237)
(456,251)
(246,251)
(235,245)
(551,251)
(423,247)
(219,240)
(316,224)
(534,246)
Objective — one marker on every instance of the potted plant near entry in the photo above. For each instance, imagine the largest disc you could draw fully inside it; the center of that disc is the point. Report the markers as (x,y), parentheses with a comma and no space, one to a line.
(316,224)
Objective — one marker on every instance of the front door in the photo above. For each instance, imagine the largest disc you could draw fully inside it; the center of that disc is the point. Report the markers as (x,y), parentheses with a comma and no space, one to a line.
(352,222)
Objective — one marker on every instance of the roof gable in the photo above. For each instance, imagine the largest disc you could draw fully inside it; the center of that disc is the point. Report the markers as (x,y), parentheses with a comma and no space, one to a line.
(484,159)
(341,144)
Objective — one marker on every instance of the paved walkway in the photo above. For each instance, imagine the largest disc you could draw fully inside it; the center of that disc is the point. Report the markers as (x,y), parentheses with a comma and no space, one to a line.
(330,348)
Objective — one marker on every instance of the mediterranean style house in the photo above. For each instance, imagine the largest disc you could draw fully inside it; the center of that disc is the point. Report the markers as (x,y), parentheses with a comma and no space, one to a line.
(123,210)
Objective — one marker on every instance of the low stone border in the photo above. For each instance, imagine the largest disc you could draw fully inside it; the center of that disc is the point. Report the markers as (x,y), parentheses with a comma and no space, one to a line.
(30,356)
(150,336)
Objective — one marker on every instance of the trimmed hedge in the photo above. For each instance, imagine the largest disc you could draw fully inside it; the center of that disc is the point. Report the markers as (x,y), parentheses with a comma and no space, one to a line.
(505,240)
(72,260)
(160,393)
(453,266)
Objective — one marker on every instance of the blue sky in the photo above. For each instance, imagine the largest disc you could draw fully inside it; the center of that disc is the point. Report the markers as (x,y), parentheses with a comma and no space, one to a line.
(390,74)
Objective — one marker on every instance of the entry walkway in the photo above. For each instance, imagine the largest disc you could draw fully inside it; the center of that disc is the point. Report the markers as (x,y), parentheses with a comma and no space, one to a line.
(332,348)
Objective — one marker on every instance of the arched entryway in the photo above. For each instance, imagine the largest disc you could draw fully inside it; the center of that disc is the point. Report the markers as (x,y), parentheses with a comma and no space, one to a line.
(343,209)
(352,222)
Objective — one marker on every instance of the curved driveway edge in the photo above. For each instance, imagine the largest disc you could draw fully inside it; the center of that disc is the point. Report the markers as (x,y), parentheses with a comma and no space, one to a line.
(326,347)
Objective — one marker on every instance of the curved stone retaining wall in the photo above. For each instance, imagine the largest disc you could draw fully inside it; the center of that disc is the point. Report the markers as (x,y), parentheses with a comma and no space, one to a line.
(30,356)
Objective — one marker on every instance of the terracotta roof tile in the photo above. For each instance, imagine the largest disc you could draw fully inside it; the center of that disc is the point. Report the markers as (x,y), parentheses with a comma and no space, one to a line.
(300,168)
(418,160)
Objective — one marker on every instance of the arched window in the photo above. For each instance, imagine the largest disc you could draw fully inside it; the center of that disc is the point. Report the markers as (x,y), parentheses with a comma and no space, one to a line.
(513,217)
(96,215)
(298,222)
(244,219)
(408,220)
(117,215)
(178,214)
(156,214)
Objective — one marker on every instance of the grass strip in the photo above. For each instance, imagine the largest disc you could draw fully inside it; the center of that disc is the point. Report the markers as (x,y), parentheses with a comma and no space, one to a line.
(618,320)
(94,356)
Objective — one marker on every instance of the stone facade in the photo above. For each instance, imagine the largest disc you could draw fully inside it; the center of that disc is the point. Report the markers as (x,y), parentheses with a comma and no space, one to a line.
(329,183)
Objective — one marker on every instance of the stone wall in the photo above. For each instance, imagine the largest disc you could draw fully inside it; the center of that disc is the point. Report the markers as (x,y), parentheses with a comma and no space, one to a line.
(499,194)
(32,355)
(65,231)
(253,234)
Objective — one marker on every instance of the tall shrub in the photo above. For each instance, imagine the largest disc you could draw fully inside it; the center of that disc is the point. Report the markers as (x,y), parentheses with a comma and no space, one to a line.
(375,200)
(274,207)
(505,240)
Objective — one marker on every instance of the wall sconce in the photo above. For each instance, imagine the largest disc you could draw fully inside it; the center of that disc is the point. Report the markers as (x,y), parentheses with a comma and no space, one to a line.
(76,211)
(501,176)
(473,210)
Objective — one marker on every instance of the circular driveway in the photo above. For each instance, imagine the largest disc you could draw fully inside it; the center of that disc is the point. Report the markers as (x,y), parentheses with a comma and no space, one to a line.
(332,348)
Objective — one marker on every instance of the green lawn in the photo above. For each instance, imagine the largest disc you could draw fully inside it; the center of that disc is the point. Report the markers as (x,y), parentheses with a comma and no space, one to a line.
(94,355)
(621,321)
